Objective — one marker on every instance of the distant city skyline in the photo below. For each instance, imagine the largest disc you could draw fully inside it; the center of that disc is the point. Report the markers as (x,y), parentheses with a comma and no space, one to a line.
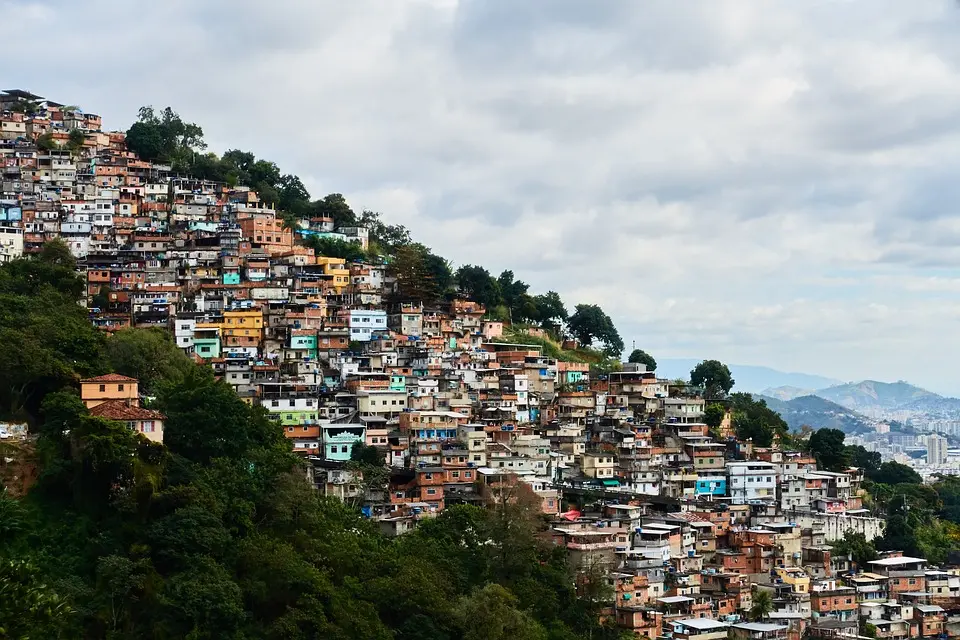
(757,182)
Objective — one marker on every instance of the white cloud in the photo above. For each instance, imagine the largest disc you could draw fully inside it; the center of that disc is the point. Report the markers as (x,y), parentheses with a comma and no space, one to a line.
(765,182)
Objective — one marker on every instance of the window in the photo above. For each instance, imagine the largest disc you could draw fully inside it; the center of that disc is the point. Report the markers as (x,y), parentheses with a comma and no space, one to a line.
(455,474)
(290,429)
(431,492)
(103,388)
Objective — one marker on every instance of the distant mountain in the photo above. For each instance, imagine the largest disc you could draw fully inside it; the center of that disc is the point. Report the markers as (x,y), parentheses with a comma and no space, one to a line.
(818,413)
(749,378)
(872,395)
(787,393)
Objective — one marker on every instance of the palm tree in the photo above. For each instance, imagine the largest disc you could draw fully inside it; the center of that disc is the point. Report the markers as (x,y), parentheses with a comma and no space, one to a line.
(762,605)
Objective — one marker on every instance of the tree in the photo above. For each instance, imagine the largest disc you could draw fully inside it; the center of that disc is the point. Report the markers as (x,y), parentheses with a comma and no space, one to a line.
(387,237)
(150,355)
(869,461)
(713,416)
(29,607)
(478,285)
(334,206)
(336,248)
(414,280)
(514,292)
(365,454)
(550,311)
(713,377)
(75,140)
(164,137)
(639,356)
(856,546)
(439,269)
(46,142)
(762,605)
(826,446)
(490,613)
(46,339)
(294,197)
(590,324)
(206,419)
(896,473)
(754,420)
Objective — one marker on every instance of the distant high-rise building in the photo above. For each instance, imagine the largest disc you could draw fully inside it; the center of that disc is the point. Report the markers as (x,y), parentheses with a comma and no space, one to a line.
(936,449)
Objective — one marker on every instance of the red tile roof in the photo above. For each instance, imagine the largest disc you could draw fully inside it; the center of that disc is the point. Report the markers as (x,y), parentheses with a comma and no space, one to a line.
(110,377)
(120,410)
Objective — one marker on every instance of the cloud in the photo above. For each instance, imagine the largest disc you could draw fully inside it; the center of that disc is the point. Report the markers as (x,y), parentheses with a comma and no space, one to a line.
(764,182)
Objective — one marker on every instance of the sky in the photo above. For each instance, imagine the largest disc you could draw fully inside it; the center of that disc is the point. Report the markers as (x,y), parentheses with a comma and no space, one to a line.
(767,182)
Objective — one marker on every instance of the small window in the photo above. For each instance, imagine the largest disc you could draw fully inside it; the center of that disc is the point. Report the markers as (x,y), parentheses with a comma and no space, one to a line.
(103,388)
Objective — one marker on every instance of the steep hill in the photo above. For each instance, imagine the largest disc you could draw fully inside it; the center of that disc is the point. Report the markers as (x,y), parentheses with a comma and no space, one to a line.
(818,413)
(873,395)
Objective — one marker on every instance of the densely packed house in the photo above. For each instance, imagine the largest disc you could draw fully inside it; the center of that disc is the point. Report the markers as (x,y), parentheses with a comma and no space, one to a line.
(693,525)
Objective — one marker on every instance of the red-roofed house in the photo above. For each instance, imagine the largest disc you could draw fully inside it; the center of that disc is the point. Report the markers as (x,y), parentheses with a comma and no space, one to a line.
(145,421)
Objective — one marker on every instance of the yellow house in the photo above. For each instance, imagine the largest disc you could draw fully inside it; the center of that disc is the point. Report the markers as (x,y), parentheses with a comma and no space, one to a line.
(246,322)
(796,578)
(337,269)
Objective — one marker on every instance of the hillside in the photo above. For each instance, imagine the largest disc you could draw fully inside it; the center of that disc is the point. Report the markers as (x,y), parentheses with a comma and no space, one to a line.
(873,395)
(818,413)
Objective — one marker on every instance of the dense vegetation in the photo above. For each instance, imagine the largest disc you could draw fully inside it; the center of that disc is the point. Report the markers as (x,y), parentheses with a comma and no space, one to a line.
(218,534)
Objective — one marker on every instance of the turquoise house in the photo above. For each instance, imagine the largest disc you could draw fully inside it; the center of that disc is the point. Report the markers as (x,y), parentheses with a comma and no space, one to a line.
(338,440)
(306,343)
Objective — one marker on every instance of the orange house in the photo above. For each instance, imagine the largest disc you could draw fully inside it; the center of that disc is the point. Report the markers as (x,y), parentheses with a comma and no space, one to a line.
(95,391)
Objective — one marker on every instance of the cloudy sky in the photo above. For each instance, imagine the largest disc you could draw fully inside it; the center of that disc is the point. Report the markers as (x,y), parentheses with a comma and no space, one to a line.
(765,182)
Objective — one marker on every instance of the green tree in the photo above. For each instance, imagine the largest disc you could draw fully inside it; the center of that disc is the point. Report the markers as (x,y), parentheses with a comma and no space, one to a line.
(387,237)
(478,285)
(164,137)
(414,280)
(75,140)
(551,312)
(29,607)
(713,416)
(762,605)
(46,339)
(334,206)
(896,473)
(206,419)
(46,142)
(490,613)
(336,248)
(640,356)
(519,303)
(150,355)
(590,324)
(869,461)
(754,420)
(713,377)
(826,446)
(856,546)
(366,454)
